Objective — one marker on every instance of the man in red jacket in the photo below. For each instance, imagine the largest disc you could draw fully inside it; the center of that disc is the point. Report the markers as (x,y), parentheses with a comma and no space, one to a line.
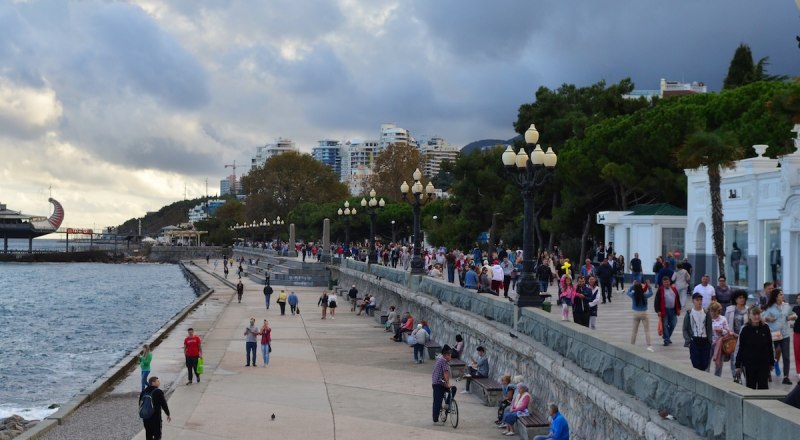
(668,306)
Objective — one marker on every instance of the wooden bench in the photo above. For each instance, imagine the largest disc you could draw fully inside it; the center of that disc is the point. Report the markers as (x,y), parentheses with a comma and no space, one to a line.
(489,390)
(433,349)
(532,425)
(457,367)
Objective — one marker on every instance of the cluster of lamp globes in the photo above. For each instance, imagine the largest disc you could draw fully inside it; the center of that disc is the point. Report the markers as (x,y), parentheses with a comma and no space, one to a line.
(537,157)
(417,188)
(255,224)
(364,203)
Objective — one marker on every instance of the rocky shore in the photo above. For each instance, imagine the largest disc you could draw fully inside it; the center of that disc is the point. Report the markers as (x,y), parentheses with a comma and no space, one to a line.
(13,426)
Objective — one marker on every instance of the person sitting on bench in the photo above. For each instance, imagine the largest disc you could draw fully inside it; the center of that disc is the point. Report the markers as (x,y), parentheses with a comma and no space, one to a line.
(364,304)
(371,305)
(479,368)
(406,327)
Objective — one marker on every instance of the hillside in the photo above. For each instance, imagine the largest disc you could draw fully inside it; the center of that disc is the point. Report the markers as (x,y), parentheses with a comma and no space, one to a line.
(173,214)
(485,143)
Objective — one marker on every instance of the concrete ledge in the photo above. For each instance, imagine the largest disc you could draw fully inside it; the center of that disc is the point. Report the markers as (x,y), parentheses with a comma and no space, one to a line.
(37,431)
(70,407)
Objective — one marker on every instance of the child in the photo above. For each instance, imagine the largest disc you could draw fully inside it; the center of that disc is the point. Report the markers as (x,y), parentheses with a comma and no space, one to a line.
(567,293)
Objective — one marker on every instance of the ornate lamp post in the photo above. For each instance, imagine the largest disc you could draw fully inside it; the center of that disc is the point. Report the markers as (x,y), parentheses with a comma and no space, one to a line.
(372,208)
(415,196)
(530,173)
(346,215)
(278,222)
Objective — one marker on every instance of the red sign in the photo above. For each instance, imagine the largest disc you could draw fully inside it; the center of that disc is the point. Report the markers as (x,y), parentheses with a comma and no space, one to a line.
(79,231)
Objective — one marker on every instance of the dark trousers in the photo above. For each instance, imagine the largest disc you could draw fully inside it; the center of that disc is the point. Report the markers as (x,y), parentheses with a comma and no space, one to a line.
(419,350)
(605,289)
(438,395)
(152,428)
(700,353)
(669,320)
(250,347)
(451,273)
(293,307)
(581,318)
(474,373)
(191,365)
(283,307)
(506,284)
(266,299)
(757,378)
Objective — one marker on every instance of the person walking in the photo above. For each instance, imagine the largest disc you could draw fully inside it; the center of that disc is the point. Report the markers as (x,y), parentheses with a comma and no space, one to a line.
(719,328)
(332,304)
(145,357)
(282,301)
(755,355)
(736,315)
(267,293)
(152,424)
(778,316)
(681,282)
(668,307)
(239,290)
(697,333)
(193,351)
(293,301)
(636,268)
(251,332)
(639,294)
(421,336)
(266,342)
(796,336)
(323,302)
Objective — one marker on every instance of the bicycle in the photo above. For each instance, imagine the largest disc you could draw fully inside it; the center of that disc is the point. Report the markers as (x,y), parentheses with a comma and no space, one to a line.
(451,409)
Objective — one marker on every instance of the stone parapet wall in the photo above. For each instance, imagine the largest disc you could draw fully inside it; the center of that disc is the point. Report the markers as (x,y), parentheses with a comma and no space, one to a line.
(173,254)
(607,390)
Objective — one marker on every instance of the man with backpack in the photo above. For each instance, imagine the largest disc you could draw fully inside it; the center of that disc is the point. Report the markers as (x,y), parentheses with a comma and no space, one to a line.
(267,293)
(151,402)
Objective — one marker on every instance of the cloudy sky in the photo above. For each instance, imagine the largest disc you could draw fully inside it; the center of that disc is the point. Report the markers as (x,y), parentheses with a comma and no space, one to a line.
(121,107)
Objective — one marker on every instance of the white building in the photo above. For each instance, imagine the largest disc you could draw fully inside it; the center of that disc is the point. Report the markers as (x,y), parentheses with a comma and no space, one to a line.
(761,211)
(268,151)
(434,151)
(357,159)
(392,134)
(668,88)
(649,230)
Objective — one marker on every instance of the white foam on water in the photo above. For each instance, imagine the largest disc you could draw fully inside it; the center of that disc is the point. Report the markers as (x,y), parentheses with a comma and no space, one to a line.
(26,413)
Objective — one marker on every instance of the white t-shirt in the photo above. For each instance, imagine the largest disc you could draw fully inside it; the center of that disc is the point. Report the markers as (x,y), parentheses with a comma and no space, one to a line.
(707,292)
(497,273)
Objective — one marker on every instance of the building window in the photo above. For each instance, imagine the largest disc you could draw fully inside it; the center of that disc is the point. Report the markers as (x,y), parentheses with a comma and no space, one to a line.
(672,242)
(771,256)
(736,240)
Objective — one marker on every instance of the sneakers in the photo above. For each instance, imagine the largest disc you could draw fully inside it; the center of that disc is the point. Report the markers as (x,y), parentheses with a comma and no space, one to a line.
(467,376)
(650,348)
(777,369)
(189,383)
(786,381)
(464,392)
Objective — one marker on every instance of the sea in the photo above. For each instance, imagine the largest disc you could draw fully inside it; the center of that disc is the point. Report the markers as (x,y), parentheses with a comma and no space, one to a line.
(66,324)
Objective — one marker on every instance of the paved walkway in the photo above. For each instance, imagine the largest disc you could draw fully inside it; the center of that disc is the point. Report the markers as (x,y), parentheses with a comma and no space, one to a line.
(327,379)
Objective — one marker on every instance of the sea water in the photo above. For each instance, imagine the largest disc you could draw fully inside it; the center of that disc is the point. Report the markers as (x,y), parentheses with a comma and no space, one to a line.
(63,325)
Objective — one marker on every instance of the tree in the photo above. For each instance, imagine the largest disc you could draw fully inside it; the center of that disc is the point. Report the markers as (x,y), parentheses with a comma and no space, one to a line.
(394,165)
(287,180)
(743,71)
(715,151)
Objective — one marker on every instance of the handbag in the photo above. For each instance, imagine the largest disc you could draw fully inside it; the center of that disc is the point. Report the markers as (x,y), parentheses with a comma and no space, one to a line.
(776,336)
(199,366)
(660,327)
(411,340)
(269,348)
(729,344)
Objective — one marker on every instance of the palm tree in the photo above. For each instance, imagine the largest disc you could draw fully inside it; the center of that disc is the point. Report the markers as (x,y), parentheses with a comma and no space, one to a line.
(716,151)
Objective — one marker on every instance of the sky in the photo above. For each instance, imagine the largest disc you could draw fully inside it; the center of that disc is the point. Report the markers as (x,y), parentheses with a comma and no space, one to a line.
(119,108)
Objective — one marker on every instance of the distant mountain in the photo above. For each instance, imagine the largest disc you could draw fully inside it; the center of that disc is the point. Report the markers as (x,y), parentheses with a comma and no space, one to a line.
(485,143)
(172,214)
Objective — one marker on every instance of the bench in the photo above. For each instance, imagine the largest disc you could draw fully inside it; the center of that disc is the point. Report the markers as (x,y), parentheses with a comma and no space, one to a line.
(457,367)
(490,391)
(433,349)
(532,425)
(384,318)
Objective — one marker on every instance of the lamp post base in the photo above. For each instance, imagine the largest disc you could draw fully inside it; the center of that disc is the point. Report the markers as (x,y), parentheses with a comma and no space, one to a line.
(373,257)
(417,265)
(528,292)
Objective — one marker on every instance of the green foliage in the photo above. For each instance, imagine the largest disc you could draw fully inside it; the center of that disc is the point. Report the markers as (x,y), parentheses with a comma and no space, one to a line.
(392,167)
(743,71)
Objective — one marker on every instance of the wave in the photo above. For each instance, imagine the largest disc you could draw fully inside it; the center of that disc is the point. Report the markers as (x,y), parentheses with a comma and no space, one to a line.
(35,413)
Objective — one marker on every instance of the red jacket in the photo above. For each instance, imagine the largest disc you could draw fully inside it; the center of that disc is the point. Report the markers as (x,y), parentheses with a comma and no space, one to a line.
(660,303)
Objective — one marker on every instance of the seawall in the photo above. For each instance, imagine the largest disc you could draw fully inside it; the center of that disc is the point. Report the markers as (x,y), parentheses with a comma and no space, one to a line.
(608,390)
(124,367)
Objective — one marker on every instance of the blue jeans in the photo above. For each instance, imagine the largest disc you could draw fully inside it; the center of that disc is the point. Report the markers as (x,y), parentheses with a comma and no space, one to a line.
(637,276)
(266,298)
(250,347)
(543,286)
(144,378)
(419,350)
(670,320)
(265,353)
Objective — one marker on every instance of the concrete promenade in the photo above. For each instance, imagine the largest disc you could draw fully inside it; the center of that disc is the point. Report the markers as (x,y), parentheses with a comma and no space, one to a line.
(327,379)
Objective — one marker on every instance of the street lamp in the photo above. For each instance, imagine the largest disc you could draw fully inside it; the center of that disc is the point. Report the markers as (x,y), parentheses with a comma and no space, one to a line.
(372,208)
(393,236)
(346,215)
(415,196)
(530,173)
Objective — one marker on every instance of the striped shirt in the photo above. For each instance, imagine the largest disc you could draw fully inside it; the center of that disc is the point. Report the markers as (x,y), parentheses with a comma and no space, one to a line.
(438,370)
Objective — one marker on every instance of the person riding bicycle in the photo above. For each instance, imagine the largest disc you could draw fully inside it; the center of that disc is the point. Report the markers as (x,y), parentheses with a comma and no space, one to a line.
(440,382)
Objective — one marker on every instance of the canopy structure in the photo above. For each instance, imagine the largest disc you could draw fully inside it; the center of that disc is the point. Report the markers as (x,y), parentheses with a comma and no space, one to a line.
(184,236)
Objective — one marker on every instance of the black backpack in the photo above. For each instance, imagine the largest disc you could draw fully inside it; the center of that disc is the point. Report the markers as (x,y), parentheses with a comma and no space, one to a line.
(146,408)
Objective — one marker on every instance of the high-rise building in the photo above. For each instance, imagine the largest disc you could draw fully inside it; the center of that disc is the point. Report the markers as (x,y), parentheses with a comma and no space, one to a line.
(204,210)
(268,151)
(392,134)
(357,158)
(230,185)
(329,152)
(434,151)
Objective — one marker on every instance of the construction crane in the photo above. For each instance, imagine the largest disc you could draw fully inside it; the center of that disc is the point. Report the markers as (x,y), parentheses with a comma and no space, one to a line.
(233,184)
